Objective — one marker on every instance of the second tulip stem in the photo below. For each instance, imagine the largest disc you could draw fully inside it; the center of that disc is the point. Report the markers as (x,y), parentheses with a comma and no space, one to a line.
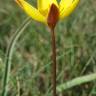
(53,62)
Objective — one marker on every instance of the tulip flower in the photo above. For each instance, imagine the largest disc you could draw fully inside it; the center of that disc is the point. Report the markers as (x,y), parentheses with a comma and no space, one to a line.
(50,12)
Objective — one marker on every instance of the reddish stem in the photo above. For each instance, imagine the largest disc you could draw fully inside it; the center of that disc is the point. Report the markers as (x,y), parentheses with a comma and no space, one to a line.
(54,62)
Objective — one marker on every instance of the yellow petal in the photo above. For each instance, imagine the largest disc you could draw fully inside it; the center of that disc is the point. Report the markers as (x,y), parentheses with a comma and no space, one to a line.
(55,2)
(31,11)
(44,6)
(67,7)
(65,3)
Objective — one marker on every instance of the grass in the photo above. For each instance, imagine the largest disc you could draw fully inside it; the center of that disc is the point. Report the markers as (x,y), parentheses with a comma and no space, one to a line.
(76,50)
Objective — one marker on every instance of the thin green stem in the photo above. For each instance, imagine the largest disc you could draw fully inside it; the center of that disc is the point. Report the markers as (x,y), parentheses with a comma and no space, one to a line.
(9,54)
(77,81)
(54,62)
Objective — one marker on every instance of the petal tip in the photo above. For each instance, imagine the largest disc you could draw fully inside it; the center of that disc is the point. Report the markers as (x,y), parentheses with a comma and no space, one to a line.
(19,3)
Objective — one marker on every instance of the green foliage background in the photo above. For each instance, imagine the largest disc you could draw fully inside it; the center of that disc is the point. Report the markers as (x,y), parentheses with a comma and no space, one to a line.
(31,63)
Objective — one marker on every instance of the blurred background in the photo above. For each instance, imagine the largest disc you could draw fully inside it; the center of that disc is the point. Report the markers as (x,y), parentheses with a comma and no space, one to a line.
(31,61)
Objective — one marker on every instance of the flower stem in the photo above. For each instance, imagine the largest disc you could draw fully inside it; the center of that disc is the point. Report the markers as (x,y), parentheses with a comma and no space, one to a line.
(54,62)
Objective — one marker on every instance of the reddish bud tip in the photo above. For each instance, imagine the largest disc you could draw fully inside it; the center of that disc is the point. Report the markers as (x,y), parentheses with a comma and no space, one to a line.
(53,16)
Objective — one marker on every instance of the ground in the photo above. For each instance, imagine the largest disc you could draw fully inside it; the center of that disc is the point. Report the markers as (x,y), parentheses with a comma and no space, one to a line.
(31,62)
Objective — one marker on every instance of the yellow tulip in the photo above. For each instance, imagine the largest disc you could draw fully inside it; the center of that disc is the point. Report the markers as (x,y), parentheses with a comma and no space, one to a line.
(49,11)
